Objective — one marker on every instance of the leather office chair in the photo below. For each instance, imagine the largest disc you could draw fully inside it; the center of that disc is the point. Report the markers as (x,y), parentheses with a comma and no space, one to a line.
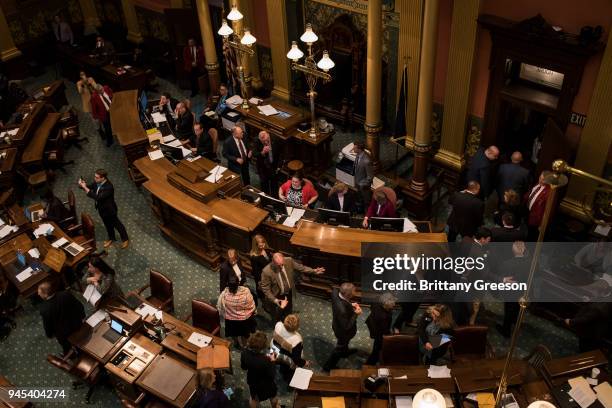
(85,369)
(470,343)
(205,317)
(536,359)
(84,233)
(162,293)
(54,153)
(69,223)
(34,179)
(400,349)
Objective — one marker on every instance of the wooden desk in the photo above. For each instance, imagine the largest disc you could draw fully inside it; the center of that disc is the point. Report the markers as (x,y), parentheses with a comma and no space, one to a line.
(164,376)
(483,375)
(8,261)
(54,94)
(324,385)
(5,401)
(7,167)
(203,190)
(572,365)
(315,153)
(91,341)
(33,153)
(125,122)
(134,78)
(35,111)
(283,128)
(416,379)
(178,333)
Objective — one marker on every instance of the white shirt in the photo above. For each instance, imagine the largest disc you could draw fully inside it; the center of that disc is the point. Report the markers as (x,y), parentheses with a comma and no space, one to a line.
(341,201)
(238,143)
(534,196)
(237,271)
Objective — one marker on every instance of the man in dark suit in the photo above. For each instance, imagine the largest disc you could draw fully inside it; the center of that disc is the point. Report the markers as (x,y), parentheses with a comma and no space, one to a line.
(166,107)
(54,209)
(481,169)
(466,215)
(344,322)
(61,312)
(237,155)
(184,122)
(103,192)
(277,283)
(103,49)
(267,154)
(515,269)
(536,204)
(512,176)
(193,62)
(508,232)
(229,267)
(363,173)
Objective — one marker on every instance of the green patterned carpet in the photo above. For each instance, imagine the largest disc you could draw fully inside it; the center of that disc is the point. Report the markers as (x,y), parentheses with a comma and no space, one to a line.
(23,354)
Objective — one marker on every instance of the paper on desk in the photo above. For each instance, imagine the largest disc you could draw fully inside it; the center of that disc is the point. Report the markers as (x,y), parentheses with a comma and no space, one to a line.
(439,372)
(167,139)
(255,101)
(409,226)
(59,242)
(602,230)
(25,274)
(581,392)
(193,158)
(210,113)
(2,221)
(7,229)
(12,132)
(604,394)
(25,115)
(232,114)
(158,117)
(159,315)
(348,152)
(174,143)
(267,110)
(156,154)
(295,215)
(301,378)
(92,295)
(34,253)
(96,318)
(233,101)
(215,174)
(186,152)
(43,229)
(199,340)
(403,401)
(145,310)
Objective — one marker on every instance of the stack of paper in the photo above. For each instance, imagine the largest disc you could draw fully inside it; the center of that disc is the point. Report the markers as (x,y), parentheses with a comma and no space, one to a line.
(301,378)
(92,295)
(199,340)
(34,253)
(604,394)
(11,132)
(409,226)
(581,392)
(255,101)
(158,117)
(174,143)
(168,139)
(156,154)
(439,372)
(7,229)
(295,214)
(216,174)
(145,310)
(233,101)
(59,242)
(402,401)
(96,318)
(43,229)
(347,151)
(267,110)
(25,274)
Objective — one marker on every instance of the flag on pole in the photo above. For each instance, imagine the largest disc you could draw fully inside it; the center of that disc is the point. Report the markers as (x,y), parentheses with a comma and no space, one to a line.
(400,113)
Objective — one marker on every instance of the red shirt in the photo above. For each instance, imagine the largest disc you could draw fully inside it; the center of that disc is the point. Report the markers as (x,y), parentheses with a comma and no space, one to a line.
(308,190)
(387,210)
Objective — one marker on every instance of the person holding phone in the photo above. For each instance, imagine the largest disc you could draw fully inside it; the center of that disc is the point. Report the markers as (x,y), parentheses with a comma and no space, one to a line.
(261,370)
(344,323)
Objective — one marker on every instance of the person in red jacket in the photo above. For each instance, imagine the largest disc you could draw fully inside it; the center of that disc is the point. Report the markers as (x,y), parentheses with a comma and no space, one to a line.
(380,206)
(101,99)
(535,200)
(298,192)
(193,60)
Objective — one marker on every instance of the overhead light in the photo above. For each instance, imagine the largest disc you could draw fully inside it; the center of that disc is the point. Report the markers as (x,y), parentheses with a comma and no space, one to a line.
(326,63)
(248,38)
(428,398)
(234,15)
(309,36)
(541,404)
(294,53)
(225,30)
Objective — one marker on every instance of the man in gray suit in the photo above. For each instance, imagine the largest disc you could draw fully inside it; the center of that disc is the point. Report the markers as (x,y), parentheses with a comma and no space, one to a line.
(364,173)
(277,282)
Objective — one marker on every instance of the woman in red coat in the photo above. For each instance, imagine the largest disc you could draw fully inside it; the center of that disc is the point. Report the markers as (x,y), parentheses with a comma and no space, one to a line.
(380,206)
(298,192)
(101,99)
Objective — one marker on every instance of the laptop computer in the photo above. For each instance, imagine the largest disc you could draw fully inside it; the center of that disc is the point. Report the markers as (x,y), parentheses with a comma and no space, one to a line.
(115,332)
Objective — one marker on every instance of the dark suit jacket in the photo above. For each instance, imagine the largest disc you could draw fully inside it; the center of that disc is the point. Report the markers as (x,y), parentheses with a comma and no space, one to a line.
(481,170)
(231,153)
(62,315)
(104,197)
(348,205)
(379,321)
(56,210)
(344,318)
(262,161)
(364,173)
(204,145)
(517,268)
(168,112)
(184,125)
(503,234)
(512,176)
(226,271)
(466,216)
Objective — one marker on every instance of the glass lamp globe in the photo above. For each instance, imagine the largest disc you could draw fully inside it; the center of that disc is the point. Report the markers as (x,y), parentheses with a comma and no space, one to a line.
(234,15)
(225,30)
(541,404)
(326,63)
(428,398)
(248,38)
(309,36)
(294,53)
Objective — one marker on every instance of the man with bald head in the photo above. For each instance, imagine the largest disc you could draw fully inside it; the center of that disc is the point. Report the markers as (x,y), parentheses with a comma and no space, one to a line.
(512,176)
(482,168)
(277,283)
(267,154)
(467,213)
(237,155)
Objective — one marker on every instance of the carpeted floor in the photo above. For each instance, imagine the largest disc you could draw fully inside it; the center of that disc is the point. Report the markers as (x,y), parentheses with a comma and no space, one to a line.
(23,354)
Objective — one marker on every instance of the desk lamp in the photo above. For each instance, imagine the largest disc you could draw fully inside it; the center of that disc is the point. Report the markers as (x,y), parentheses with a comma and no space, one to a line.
(541,404)
(428,398)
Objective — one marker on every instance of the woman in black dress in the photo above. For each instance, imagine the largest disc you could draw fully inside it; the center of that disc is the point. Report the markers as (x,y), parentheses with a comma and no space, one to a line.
(261,370)
(261,255)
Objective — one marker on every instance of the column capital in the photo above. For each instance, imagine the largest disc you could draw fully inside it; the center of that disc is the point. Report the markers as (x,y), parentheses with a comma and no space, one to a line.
(450,159)
(373,127)
(212,67)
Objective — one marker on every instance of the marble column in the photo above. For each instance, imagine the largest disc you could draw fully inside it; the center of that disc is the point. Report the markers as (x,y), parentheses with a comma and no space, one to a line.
(373,124)
(8,50)
(279,45)
(595,140)
(129,11)
(458,83)
(90,17)
(239,26)
(208,43)
(422,139)
(409,49)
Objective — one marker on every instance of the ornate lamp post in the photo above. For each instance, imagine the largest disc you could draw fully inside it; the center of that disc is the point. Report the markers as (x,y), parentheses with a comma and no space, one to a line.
(311,69)
(243,46)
